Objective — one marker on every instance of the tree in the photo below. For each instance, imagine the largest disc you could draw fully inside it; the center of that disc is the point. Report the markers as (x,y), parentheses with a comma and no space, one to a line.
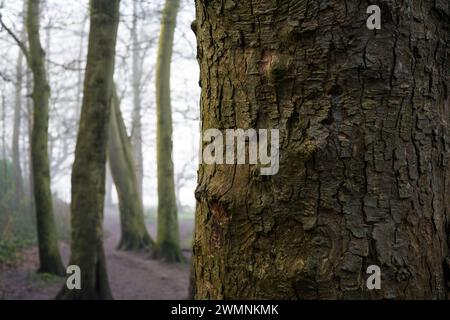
(167,245)
(88,173)
(81,48)
(29,127)
(108,188)
(364,149)
(18,180)
(136,80)
(134,234)
(50,259)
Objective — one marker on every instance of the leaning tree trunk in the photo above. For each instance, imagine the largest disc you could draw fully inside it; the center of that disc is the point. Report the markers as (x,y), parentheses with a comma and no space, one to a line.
(363,118)
(168,244)
(134,234)
(88,173)
(50,260)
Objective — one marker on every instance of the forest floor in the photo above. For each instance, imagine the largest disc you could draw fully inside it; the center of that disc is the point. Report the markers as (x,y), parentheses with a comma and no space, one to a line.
(132,276)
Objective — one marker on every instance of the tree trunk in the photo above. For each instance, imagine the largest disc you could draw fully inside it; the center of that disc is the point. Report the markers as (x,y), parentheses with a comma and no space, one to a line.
(134,234)
(108,187)
(18,179)
(79,94)
(50,260)
(88,173)
(364,150)
(167,246)
(29,124)
(136,135)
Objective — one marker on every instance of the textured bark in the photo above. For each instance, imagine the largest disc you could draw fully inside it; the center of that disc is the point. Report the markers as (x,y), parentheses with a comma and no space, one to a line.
(50,260)
(136,79)
(134,234)
(364,148)
(88,173)
(168,244)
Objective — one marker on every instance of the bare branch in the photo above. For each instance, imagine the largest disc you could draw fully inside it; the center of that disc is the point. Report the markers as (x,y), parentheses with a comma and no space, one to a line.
(21,45)
(5,77)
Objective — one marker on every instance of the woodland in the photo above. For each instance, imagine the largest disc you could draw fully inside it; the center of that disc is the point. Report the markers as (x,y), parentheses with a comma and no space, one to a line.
(107,107)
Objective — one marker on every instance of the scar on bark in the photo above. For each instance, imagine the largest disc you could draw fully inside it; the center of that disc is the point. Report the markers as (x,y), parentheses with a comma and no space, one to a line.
(274,66)
(219,218)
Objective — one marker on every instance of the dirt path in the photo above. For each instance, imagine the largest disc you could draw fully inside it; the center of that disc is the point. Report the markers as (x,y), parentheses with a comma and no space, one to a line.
(132,276)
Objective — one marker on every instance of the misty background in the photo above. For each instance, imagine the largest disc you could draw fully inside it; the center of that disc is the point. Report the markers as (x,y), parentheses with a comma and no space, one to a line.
(64,33)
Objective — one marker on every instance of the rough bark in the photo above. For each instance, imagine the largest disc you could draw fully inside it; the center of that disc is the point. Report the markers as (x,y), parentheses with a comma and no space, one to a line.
(134,234)
(50,260)
(167,245)
(364,148)
(88,173)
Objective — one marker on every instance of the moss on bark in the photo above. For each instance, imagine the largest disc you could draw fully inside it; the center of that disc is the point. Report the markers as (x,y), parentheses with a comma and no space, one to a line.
(134,234)
(50,260)
(364,150)
(167,245)
(88,173)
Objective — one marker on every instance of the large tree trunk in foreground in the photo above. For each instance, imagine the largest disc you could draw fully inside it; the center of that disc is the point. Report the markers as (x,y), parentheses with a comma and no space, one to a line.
(168,244)
(134,234)
(50,260)
(364,150)
(88,174)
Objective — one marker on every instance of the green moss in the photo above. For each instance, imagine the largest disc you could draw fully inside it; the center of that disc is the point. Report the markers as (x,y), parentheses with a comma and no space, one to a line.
(167,246)
(42,280)
(169,252)
(50,259)
(134,235)
(88,173)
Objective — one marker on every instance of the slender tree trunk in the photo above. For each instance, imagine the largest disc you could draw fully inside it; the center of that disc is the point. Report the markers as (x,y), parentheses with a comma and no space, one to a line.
(79,93)
(29,119)
(88,174)
(18,179)
(3,137)
(134,234)
(364,147)
(136,135)
(50,260)
(6,180)
(47,55)
(108,187)
(167,246)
